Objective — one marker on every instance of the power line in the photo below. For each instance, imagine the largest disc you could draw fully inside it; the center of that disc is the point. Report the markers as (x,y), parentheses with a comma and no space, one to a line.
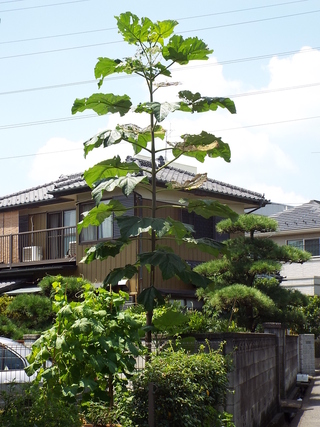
(242,10)
(178,19)
(268,124)
(218,130)
(88,116)
(39,154)
(48,121)
(42,5)
(182,32)
(253,21)
(227,62)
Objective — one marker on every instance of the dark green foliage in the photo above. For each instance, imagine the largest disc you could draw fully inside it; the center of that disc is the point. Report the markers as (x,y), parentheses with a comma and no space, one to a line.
(254,263)
(248,224)
(72,286)
(9,329)
(311,313)
(30,311)
(249,305)
(32,406)
(189,388)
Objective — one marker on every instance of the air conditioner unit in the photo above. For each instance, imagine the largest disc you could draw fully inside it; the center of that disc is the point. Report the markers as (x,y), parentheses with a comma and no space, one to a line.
(32,253)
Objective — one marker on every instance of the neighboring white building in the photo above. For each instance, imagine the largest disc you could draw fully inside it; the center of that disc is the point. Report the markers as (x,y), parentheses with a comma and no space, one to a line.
(300,227)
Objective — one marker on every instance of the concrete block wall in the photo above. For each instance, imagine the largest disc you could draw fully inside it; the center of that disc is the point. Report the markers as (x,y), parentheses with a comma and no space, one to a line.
(307,354)
(265,368)
(254,380)
(291,362)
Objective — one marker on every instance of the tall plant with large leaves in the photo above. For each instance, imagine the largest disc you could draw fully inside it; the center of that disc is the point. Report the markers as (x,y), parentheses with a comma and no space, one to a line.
(157,50)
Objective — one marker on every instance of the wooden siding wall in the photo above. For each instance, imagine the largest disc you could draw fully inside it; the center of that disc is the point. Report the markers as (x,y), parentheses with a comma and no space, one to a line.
(96,271)
(9,224)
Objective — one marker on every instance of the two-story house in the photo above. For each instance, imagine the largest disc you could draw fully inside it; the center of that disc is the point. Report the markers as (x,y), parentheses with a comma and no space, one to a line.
(38,234)
(300,227)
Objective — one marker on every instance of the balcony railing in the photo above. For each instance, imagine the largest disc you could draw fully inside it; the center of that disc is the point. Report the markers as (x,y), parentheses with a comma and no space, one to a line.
(38,246)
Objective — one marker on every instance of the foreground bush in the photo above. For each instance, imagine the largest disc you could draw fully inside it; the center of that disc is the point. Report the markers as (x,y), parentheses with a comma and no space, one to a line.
(92,346)
(31,406)
(188,390)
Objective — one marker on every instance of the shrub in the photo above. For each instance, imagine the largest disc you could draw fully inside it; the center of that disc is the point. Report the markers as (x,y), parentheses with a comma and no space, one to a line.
(31,406)
(188,389)
(30,312)
(9,329)
(72,286)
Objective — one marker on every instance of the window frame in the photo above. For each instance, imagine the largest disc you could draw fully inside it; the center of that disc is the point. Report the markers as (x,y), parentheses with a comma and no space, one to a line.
(96,231)
(303,245)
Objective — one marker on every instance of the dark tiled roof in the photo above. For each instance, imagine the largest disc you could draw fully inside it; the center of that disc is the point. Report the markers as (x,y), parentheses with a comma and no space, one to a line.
(306,216)
(74,183)
(41,193)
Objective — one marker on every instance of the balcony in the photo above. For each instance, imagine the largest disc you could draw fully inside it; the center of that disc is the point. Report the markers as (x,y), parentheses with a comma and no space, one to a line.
(38,247)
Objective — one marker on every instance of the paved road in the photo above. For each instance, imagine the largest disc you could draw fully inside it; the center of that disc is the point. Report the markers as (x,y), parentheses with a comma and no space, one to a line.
(309,414)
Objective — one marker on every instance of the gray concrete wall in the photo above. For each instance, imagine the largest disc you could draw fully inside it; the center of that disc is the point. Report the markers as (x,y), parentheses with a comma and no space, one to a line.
(265,367)
(307,354)
(291,362)
(254,380)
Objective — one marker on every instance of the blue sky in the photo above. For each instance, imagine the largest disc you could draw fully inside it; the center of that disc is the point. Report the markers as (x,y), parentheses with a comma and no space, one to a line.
(266,58)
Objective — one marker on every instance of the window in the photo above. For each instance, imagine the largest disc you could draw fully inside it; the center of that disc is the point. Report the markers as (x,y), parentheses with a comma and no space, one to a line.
(59,239)
(93,233)
(9,361)
(204,227)
(309,245)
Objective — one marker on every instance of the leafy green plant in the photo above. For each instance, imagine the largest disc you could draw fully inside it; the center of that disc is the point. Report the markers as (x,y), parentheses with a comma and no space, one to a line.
(71,285)
(188,390)
(157,50)
(31,406)
(92,346)
(311,313)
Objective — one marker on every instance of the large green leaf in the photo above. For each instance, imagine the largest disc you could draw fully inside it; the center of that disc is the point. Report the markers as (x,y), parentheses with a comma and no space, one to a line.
(138,137)
(150,298)
(182,50)
(136,31)
(205,244)
(99,213)
(133,226)
(160,110)
(103,250)
(179,229)
(209,208)
(127,184)
(202,145)
(170,317)
(109,168)
(170,264)
(103,103)
(194,102)
(118,274)
(105,139)
(106,66)
(193,278)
